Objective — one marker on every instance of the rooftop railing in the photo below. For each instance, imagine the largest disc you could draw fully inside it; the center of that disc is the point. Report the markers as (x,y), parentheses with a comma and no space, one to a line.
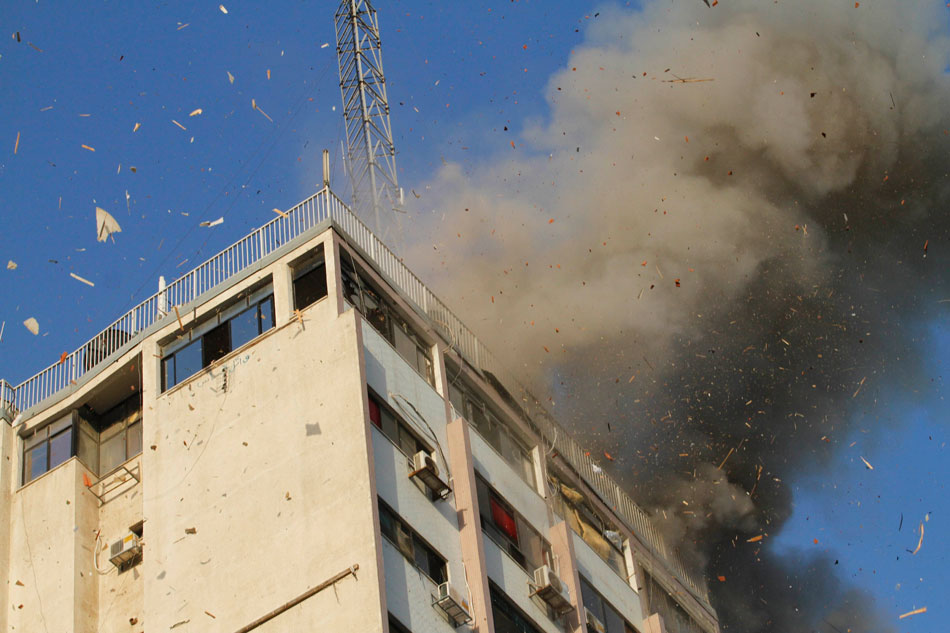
(322,206)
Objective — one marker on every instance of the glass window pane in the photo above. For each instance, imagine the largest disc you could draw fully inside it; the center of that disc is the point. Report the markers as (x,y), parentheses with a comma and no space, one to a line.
(60,448)
(407,441)
(387,523)
(591,599)
(310,287)
(404,540)
(111,451)
(215,344)
(187,362)
(404,343)
(168,372)
(244,327)
(133,440)
(614,623)
(34,462)
(437,568)
(267,314)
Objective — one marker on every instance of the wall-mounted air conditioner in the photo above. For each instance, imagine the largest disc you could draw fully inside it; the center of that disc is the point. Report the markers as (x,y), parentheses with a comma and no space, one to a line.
(426,470)
(123,551)
(552,590)
(452,604)
(593,624)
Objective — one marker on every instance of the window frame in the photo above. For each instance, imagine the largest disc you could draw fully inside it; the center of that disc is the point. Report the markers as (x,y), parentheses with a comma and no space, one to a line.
(520,619)
(590,594)
(260,299)
(518,549)
(384,316)
(414,541)
(305,266)
(44,436)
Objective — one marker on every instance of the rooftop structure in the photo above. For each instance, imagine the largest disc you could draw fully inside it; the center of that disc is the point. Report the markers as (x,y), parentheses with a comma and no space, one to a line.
(299,433)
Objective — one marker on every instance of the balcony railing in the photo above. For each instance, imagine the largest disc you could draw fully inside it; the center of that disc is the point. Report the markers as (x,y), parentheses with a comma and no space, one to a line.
(322,206)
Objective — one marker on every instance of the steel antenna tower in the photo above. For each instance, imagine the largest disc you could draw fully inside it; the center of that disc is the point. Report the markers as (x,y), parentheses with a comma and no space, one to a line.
(370,152)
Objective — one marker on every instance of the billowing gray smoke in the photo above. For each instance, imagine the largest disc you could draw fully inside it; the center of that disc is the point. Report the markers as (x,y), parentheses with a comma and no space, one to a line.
(711,256)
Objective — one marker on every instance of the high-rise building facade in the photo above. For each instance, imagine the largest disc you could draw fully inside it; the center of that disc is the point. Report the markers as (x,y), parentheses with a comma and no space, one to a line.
(299,436)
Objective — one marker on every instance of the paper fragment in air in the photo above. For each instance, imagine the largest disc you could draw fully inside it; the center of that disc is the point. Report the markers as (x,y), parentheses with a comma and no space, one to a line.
(32,325)
(214,223)
(105,225)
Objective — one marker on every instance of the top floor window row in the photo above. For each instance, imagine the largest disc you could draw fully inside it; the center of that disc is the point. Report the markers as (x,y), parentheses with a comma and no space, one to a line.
(217,337)
(380,312)
(489,426)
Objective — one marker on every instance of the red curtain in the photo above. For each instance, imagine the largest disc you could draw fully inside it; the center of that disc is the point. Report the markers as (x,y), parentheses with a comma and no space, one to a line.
(504,520)
(374,413)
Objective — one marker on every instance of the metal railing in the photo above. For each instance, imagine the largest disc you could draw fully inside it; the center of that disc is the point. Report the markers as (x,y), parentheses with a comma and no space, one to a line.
(325,205)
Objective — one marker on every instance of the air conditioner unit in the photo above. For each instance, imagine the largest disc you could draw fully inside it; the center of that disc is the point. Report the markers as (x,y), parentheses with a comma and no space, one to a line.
(427,471)
(452,604)
(552,590)
(593,624)
(124,550)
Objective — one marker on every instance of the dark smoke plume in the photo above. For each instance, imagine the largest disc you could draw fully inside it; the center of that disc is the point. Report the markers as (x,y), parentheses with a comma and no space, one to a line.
(718,251)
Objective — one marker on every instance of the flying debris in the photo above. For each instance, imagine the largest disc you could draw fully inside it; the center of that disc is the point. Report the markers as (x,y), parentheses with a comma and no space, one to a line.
(105,225)
(32,325)
(213,223)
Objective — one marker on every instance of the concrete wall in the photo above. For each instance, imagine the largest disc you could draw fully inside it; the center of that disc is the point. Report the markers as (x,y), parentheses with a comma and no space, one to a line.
(7,486)
(121,595)
(273,477)
(53,584)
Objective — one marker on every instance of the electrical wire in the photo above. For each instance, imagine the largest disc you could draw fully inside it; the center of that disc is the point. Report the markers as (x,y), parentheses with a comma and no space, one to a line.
(95,556)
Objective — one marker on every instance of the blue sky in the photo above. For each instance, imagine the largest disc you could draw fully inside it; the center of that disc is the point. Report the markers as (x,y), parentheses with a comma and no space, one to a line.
(459,74)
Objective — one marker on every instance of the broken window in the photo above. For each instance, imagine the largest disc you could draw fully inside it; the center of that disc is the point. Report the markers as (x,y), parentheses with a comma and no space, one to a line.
(599,533)
(236,325)
(310,279)
(46,448)
(380,313)
(509,530)
(422,555)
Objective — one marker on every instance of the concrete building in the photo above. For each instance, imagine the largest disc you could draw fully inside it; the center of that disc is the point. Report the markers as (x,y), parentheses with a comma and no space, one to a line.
(299,436)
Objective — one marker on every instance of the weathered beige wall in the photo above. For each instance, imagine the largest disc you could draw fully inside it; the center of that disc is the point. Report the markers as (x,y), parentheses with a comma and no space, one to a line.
(273,476)
(52,534)
(7,484)
(120,594)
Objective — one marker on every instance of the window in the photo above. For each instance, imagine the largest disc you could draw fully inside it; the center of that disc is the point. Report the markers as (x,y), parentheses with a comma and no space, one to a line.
(384,318)
(509,530)
(601,535)
(411,545)
(490,427)
(310,280)
(395,626)
(108,440)
(394,427)
(508,618)
(675,617)
(219,341)
(48,447)
(608,616)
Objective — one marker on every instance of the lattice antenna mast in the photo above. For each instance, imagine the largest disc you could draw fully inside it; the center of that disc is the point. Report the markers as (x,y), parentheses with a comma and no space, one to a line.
(370,152)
